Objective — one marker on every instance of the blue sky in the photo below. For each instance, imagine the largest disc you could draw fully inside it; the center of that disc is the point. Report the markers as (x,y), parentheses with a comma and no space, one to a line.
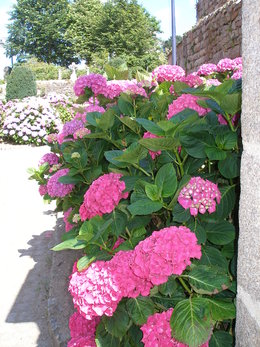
(161,9)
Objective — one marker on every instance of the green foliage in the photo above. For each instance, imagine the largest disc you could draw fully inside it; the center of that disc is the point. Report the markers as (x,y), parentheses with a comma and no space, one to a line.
(38,28)
(21,83)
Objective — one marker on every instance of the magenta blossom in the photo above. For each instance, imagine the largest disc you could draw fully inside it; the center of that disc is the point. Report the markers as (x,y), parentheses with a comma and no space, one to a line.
(50,158)
(97,83)
(199,196)
(186,101)
(148,135)
(57,189)
(168,73)
(226,65)
(207,69)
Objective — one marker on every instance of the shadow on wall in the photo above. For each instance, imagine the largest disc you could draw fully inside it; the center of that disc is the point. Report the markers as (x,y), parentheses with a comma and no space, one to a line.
(44,298)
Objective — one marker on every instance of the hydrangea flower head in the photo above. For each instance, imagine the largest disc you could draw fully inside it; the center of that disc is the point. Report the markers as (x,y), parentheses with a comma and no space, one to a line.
(199,196)
(186,101)
(225,65)
(68,225)
(57,189)
(192,80)
(148,135)
(213,82)
(97,83)
(237,75)
(102,196)
(50,158)
(157,331)
(43,189)
(80,133)
(207,69)
(168,73)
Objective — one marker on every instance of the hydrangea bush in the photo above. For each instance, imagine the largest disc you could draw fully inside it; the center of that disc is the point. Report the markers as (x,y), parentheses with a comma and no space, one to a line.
(148,181)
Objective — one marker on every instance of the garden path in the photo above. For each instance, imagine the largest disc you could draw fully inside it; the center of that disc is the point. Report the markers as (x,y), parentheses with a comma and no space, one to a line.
(26,226)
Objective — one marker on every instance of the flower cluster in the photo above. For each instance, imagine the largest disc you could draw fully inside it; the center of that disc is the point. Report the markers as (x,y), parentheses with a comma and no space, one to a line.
(186,101)
(225,65)
(207,69)
(148,135)
(30,121)
(82,331)
(97,83)
(97,290)
(213,82)
(102,196)
(192,80)
(50,158)
(80,133)
(115,88)
(69,128)
(157,331)
(43,189)
(199,196)
(168,73)
(57,189)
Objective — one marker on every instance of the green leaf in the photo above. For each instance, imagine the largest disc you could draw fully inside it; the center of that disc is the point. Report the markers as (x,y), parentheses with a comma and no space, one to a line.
(231,103)
(111,155)
(208,279)
(133,154)
(69,244)
(179,214)
(192,165)
(179,86)
(104,339)
(190,321)
(166,180)
(196,143)
(211,256)
(86,231)
(221,339)
(118,324)
(69,180)
(220,233)
(119,222)
(92,118)
(151,126)
(215,153)
(230,167)
(144,207)
(169,287)
(152,192)
(198,229)
(130,123)
(107,120)
(125,105)
(221,309)
(227,202)
(226,140)
(84,262)
(159,144)
(140,309)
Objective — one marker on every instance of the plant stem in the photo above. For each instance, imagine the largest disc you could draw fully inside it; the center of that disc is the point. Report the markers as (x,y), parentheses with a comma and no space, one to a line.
(229,120)
(184,285)
(179,162)
(141,169)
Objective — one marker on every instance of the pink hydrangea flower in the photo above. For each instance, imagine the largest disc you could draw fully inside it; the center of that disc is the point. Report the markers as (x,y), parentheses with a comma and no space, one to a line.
(43,189)
(57,189)
(192,80)
(82,331)
(207,69)
(97,83)
(225,65)
(97,290)
(168,73)
(148,135)
(213,82)
(237,75)
(52,138)
(186,101)
(68,225)
(80,133)
(157,331)
(102,196)
(50,158)
(238,61)
(118,242)
(199,196)
(94,108)
(116,87)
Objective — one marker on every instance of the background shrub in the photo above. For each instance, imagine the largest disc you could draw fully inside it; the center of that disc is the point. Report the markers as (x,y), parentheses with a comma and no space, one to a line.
(20,84)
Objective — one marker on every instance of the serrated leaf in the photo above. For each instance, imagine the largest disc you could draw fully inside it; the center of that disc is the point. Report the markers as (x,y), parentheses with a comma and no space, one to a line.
(104,339)
(221,309)
(144,206)
(159,144)
(227,202)
(220,233)
(133,154)
(196,143)
(215,153)
(190,321)
(84,262)
(140,309)
(151,126)
(119,323)
(169,287)
(111,155)
(226,140)
(198,229)
(119,222)
(221,339)
(69,180)
(125,105)
(208,279)
(152,192)
(230,167)
(211,256)
(231,103)
(179,214)
(69,244)
(130,123)
(166,180)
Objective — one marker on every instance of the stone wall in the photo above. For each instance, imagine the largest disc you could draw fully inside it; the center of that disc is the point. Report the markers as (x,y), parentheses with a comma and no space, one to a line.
(58,86)
(248,272)
(205,7)
(214,37)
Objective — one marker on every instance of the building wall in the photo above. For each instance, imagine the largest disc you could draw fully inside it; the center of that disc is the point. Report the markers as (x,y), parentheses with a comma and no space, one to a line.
(248,271)
(205,7)
(216,36)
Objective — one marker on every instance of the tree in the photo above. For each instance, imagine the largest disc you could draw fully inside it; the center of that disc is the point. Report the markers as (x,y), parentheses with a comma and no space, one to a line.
(84,22)
(38,28)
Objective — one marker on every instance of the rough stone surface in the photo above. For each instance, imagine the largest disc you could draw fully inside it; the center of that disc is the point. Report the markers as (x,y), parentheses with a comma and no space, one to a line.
(57,86)
(216,36)
(205,7)
(248,299)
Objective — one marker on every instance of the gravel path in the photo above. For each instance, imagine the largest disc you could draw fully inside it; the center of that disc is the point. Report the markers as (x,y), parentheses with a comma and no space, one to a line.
(26,226)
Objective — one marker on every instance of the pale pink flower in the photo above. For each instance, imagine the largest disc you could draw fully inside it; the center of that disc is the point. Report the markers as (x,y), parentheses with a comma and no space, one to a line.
(207,69)
(168,73)
(199,196)
(225,65)
(186,101)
